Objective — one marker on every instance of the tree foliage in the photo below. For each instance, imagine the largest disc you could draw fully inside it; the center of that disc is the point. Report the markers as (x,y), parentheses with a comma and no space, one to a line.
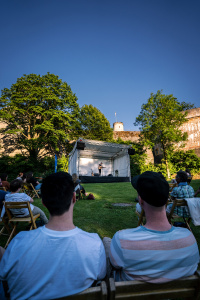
(40,113)
(160,120)
(94,125)
(186,160)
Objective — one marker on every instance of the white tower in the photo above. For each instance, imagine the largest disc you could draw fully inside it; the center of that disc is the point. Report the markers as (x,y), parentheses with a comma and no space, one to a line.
(118,126)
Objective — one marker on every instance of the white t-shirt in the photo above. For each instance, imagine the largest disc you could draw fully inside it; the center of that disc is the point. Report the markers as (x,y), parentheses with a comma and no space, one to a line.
(19,197)
(46,264)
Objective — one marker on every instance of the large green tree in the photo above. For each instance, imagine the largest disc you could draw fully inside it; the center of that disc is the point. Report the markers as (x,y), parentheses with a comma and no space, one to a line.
(160,120)
(40,114)
(94,125)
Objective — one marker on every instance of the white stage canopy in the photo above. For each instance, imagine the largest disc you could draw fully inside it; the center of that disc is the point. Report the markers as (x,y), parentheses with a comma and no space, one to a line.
(115,158)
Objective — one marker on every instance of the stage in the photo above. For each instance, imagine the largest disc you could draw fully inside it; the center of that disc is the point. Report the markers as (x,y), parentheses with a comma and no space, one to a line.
(103,179)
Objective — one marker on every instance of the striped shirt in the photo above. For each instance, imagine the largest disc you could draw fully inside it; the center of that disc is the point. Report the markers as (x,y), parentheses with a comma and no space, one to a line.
(154,256)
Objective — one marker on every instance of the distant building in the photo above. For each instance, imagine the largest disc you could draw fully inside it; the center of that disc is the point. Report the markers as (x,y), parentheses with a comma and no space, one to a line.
(192,127)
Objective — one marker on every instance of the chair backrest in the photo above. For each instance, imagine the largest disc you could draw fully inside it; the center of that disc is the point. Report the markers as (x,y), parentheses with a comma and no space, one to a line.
(188,287)
(9,206)
(171,186)
(29,189)
(93,293)
(3,188)
(176,203)
(141,217)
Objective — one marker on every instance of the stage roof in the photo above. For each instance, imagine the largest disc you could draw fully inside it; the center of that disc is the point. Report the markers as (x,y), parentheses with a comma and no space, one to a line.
(99,149)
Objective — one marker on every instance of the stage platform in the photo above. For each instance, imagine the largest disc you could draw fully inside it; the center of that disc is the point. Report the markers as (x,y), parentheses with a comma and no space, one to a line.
(103,179)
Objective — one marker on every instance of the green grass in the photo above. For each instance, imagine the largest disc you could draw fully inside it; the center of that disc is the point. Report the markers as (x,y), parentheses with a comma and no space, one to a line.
(101,217)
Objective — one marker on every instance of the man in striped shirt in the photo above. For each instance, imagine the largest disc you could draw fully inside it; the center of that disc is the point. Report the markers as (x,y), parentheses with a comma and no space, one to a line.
(156,252)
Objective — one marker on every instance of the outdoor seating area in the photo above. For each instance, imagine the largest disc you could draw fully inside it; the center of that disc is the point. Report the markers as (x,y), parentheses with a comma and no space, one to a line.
(187,287)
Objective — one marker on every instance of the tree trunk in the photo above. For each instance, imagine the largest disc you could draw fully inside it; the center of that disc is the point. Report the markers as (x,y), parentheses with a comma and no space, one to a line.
(166,161)
(168,171)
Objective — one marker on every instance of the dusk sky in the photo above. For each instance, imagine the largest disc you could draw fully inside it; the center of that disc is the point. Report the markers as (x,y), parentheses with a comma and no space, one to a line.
(112,53)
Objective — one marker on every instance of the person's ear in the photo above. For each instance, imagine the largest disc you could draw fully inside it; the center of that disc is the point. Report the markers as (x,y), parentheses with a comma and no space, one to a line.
(74,198)
(140,200)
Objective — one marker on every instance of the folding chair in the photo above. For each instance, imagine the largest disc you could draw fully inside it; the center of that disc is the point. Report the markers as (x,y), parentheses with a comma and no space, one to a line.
(29,189)
(2,188)
(141,217)
(5,226)
(93,293)
(171,216)
(15,220)
(171,186)
(77,190)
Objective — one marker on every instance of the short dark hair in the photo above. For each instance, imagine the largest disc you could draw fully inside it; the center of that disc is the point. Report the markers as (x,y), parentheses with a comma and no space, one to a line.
(4,176)
(57,192)
(29,175)
(15,185)
(182,175)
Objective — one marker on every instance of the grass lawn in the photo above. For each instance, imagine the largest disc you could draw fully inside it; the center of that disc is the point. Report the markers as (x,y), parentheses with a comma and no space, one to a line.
(101,216)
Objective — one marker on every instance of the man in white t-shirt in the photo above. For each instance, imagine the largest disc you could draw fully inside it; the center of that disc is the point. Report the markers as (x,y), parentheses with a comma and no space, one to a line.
(58,259)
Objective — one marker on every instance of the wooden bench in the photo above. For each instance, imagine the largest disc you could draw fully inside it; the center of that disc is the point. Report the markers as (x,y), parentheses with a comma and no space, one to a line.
(93,293)
(188,287)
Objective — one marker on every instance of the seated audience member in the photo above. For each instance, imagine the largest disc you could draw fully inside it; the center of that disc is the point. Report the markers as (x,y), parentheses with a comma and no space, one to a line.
(182,191)
(77,185)
(2,197)
(58,259)
(173,181)
(4,181)
(156,252)
(21,176)
(189,176)
(33,180)
(188,172)
(16,196)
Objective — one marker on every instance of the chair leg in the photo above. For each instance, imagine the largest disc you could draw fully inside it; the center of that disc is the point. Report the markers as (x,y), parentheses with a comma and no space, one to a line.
(187,223)
(2,230)
(11,235)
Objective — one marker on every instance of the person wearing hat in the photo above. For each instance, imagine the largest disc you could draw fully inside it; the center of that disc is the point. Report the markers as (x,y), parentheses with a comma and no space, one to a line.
(156,252)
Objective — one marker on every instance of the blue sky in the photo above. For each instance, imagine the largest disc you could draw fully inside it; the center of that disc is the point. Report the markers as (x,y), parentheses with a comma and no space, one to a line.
(112,53)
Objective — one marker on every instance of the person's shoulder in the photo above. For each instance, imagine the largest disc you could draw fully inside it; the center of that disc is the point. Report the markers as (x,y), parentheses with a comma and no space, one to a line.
(181,231)
(8,196)
(24,195)
(190,188)
(88,235)
(25,238)
(125,233)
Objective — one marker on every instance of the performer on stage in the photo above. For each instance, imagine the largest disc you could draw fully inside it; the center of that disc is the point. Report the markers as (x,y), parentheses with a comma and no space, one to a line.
(100,166)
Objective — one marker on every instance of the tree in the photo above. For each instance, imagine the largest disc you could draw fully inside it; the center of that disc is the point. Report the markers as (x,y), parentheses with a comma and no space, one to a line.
(186,159)
(40,113)
(94,125)
(160,120)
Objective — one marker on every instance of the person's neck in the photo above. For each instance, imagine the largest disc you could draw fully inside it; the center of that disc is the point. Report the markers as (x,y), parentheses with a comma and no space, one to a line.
(61,223)
(157,221)
(16,192)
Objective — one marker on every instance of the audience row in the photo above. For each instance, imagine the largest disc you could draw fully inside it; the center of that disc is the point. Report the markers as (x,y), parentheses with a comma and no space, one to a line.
(59,259)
